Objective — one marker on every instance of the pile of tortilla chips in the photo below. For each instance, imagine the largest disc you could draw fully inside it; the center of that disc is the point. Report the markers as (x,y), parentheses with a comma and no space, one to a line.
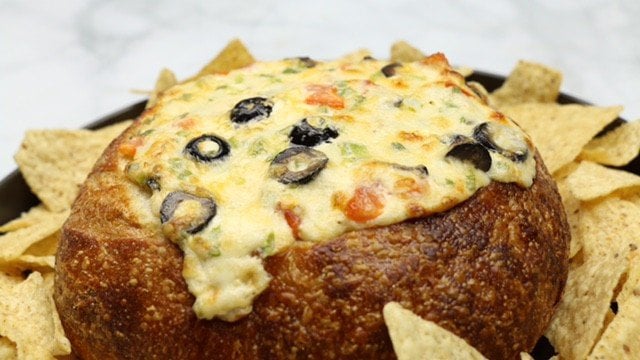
(598,317)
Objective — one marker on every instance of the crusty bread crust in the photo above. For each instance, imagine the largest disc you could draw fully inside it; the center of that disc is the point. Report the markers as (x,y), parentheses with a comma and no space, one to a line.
(491,269)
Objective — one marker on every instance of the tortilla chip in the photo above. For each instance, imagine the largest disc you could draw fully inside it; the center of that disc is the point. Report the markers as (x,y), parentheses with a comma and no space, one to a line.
(56,162)
(110,132)
(26,219)
(7,349)
(591,181)
(549,126)
(414,338)
(28,317)
(43,264)
(166,79)
(234,56)
(572,210)
(354,57)
(608,231)
(525,356)
(479,89)
(528,82)
(465,71)
(616,148)
(402,51)
(621,339)
(15,243)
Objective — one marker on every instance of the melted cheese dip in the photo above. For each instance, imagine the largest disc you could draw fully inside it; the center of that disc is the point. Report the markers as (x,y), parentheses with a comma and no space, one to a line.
(389,134)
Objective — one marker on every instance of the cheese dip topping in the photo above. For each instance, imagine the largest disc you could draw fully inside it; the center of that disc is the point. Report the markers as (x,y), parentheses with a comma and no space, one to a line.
(241,166)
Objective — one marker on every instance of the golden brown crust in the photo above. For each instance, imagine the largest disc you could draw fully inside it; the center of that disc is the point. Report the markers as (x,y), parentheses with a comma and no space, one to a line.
(491,269)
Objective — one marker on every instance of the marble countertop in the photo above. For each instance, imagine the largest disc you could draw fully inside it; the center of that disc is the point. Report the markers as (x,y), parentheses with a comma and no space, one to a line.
(66,63)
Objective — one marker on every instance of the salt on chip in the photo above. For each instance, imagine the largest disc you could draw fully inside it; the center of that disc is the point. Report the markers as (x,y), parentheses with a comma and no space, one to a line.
(609,230)
(621,339)
(528,82)
(166,79)
(617,147)
(17,242)
(54,163)
(28,318)
(234,56)
(414,338)
(560,131)
(590,181)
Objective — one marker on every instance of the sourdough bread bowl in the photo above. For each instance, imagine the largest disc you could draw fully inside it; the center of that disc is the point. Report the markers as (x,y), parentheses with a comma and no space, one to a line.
(273,212)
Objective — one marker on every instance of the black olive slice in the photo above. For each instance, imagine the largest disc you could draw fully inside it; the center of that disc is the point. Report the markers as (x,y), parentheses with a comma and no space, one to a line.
(195,221)
(305,134)
(297,165)
(251,109)
(307,61)
(505,140)
(207,148)
(472,152)
(390,70)
(418,169)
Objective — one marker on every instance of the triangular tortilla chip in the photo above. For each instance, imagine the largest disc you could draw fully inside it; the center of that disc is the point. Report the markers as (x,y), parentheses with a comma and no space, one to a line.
(616,148)
(56,162)
(560,131)
(414,338)
(28,317)
(528,82)
(590,181)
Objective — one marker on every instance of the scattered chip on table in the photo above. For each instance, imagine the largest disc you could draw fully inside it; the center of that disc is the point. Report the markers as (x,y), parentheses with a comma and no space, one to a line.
(415,338)
(549,126)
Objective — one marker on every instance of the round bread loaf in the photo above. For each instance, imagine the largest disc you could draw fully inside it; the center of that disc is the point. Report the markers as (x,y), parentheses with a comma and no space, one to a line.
(490,269)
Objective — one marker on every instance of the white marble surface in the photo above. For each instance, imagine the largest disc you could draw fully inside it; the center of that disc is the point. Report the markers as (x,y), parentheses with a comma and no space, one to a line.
(66,63)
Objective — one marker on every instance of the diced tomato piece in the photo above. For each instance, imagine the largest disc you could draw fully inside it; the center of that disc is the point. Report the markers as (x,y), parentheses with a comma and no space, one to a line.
(129,148)
(186,124)
(293,220)
(436,59)
(325,95)
(364,205)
